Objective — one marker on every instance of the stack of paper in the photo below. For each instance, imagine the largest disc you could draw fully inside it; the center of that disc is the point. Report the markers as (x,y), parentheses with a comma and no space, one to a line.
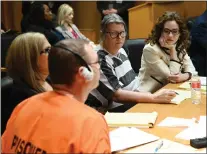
(176,122)
(126,137)
(141,120)
(168,147)
(180,96)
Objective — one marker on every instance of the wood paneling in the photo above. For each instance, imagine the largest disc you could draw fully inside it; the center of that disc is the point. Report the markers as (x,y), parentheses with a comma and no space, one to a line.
(11,14)
(142,23)
(86,16)
(89,33)
(143,17)
(193,9)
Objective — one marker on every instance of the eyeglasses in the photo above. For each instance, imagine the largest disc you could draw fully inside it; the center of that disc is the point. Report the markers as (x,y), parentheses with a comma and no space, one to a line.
(174,31)
(47,50)
(97,62)
(117,34)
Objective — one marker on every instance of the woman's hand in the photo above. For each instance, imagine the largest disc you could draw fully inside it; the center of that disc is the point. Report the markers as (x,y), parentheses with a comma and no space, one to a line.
(178,78)
(171,47)
(164,44)
(163,96)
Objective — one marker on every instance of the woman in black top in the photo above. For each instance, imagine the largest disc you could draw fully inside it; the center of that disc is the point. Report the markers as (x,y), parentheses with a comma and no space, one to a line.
(27,65)
(40,20)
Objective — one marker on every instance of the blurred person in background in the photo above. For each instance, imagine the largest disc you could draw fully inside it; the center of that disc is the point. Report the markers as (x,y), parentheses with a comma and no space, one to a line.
(66,26)
(118,7)
(40,20)
(198,47)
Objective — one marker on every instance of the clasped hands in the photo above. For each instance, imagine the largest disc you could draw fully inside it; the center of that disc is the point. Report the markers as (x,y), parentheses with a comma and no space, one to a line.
(177,78)
(109,11)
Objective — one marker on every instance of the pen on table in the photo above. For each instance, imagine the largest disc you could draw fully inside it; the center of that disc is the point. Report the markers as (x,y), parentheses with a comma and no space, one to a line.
(158,147)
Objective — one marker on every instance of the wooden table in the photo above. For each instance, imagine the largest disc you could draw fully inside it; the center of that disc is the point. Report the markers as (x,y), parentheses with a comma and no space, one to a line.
(184,110)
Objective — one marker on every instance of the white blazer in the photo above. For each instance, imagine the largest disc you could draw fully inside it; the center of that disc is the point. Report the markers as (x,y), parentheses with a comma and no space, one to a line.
(156,66)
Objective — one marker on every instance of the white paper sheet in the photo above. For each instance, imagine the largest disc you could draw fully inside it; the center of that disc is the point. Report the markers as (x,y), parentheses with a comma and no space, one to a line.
(126,137)
(180,96)
(176,122)
(168,147)
(202,121)
(194,131)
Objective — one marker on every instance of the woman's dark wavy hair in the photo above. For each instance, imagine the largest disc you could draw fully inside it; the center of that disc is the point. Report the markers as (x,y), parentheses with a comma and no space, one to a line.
(36,15)
(184,38)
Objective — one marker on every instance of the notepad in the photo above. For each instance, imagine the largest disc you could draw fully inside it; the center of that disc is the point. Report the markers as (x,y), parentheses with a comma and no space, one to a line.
(125,137)
(141,120)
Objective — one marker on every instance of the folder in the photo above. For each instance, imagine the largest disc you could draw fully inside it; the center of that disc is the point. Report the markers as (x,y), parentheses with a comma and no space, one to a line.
(139,120)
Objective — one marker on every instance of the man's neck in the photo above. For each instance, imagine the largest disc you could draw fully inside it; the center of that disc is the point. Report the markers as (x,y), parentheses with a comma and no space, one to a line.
(78,93)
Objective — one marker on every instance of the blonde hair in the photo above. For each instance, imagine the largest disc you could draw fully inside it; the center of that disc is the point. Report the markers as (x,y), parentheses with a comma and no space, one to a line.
(22,59)
(63,11)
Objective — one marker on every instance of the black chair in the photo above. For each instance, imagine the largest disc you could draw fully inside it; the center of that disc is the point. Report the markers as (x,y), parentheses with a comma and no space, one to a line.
(6,40)
(6,85)
(134,48)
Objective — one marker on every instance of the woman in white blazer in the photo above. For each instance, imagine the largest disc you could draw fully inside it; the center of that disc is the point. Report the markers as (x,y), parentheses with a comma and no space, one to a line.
(164,57)
(66,26)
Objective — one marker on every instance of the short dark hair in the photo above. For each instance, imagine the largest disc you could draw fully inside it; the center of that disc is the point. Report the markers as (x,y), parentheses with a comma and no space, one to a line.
(63,64)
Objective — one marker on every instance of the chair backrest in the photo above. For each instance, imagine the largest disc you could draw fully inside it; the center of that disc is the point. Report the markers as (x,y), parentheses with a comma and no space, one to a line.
(6,40)
(6,86)
(134,47)
(6,83)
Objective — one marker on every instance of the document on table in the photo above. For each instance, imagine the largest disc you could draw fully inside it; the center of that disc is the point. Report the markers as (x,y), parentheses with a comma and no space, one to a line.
(194,131)
(167,147)
(176,122)
(186,85)
(126,137)
(180,96)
